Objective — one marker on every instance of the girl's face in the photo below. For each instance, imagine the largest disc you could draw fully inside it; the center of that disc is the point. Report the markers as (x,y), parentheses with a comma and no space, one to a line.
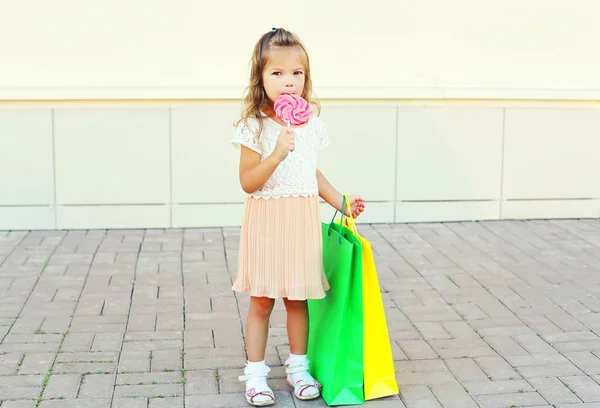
(284,73)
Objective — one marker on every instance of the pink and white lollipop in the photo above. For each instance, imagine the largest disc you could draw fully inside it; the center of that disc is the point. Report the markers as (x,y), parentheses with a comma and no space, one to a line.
(292,108)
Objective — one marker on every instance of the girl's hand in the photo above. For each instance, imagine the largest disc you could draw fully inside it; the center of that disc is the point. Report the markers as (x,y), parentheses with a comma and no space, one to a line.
(357,206)
(285,143)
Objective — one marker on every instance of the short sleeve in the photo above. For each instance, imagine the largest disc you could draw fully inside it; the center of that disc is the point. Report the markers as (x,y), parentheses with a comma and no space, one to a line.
(246,135)
(323,136)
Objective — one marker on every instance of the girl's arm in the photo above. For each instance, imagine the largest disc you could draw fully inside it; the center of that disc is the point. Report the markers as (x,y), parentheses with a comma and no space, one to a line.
(334,198)
(328,193)
(254,173)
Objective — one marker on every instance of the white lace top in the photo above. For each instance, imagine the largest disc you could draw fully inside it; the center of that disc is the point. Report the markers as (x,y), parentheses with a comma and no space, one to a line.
(295,176)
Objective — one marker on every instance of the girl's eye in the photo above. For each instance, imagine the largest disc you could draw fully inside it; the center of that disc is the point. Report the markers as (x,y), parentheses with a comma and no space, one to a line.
(276,73)
(298,73)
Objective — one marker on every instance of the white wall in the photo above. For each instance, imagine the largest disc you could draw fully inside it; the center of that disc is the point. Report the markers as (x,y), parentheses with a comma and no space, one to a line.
(118,113)
(136,49)
(171,165)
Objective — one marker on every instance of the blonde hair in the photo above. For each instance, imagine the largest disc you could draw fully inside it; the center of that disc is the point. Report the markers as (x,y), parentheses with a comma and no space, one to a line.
(256,98)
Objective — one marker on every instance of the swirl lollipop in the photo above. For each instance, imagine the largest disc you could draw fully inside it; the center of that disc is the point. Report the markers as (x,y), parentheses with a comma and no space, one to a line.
(292,108)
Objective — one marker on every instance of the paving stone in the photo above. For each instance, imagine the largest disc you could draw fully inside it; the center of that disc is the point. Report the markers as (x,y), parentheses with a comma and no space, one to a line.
(508,400)
(497,368)
(537,360)
(37,338)
(130,403)
(56,324)
(465,369)
(237,400)
(107,342)
(84,368)
(571,337)
(166,402)
(29,347)
(22,381)
(459,329)
(77,342)
(27,325)
(425,378)
(555,370)
(153,336)
(585,361)
(198,339)
(141,322)
(19,404)
(202,382)
(37,363)
(97,403)
(505,346)
(554,391)
(9,362)
(158,345)
(62,386)
(96,386)
(417,349)
(17,392)
(167,360)
(418,396)
(135,361)
(149,391)
(88,357)
(534,344)
(453,396)
(584,387)
(497,387)
(565,322)
(512,317)
(505,331)
(541,325)
(420,366)
(149,378)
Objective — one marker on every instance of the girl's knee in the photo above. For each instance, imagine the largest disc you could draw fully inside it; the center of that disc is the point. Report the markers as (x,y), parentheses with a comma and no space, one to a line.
(262,306)
(295,304)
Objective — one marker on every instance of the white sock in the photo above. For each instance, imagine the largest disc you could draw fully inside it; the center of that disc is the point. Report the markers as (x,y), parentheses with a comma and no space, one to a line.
(296,360)
(259,383)
(253,367)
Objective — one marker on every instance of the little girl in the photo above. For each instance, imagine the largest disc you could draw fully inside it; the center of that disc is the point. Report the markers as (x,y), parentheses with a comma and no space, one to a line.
(280,246)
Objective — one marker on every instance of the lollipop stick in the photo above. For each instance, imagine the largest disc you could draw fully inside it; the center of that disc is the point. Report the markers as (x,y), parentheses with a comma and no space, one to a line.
(288,125)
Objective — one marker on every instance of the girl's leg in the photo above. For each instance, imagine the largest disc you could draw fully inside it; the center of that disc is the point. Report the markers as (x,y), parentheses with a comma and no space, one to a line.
(305,386)
(257,327)
(297,325)
(255,375)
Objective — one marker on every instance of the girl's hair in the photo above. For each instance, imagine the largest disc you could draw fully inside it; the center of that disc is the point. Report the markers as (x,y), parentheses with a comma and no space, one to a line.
(256,98)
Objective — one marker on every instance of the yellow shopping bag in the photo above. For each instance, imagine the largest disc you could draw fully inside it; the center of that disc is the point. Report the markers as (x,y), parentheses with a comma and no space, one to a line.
(379,371)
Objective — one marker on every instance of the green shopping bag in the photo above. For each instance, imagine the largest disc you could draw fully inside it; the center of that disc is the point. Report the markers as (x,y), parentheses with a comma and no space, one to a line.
(335,340)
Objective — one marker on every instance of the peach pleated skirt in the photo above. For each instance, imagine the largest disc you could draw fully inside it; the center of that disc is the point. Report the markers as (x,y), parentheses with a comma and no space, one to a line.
(281,249)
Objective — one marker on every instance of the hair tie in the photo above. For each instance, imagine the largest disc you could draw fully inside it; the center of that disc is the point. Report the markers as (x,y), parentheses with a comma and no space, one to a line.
(274,29)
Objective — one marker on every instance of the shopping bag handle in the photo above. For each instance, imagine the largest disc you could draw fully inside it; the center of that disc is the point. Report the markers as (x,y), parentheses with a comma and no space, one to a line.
(341,223)
(347,221)
(350,223)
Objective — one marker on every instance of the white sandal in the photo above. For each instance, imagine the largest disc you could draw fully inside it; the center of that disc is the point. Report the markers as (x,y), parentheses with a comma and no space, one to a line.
(254,392)
(302,385)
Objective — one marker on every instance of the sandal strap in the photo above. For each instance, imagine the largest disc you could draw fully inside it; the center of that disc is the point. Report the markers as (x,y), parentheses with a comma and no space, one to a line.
(307,383)
(264,373)
(306,387)
(253,393)
(296,369)
(302,385)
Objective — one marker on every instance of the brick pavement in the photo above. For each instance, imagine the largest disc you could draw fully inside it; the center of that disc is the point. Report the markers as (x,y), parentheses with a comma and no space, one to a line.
(489,314)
